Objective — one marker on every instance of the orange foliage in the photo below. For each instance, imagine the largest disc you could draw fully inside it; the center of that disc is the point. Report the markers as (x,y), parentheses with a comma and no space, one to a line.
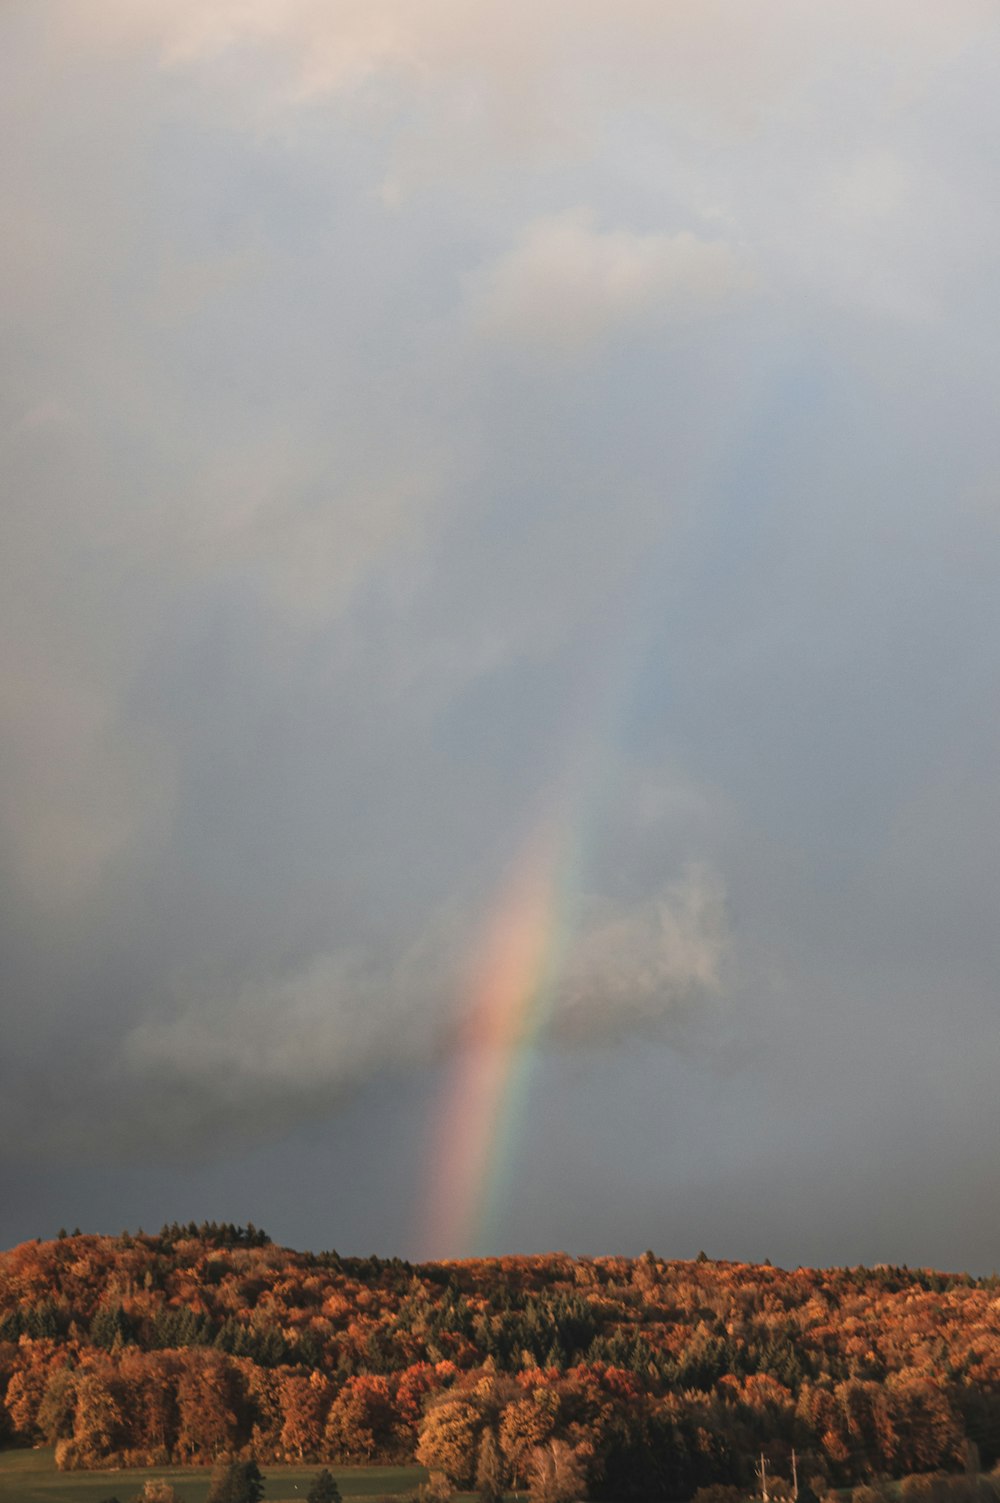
(198,1342)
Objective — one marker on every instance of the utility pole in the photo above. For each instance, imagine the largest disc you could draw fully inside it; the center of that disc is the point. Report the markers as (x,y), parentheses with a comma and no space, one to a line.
(762,1479)
(795,1479)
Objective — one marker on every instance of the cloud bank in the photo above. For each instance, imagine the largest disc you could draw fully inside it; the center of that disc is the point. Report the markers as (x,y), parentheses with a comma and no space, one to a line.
(302,1040)
(419,420)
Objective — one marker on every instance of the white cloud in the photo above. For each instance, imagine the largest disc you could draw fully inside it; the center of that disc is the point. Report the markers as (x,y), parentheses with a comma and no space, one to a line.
(796,130)
(567,284)
(634,967)
(730,56)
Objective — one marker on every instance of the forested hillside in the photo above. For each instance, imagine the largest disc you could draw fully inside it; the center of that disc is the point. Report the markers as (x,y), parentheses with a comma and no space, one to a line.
(660,1376)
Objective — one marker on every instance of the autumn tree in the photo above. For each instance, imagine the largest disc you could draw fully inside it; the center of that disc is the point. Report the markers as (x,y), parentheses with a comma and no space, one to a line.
(28,1383)
(437,1489)
(57,1408)
(361,1419)
(150,1379)
(489,1469)
(98,1426)
(556,1474)
(262,1406)
(209,1405)
(525,1425)
(416,1383)
(449,1440)
(926,1429)
(305,1403)
(157,1490)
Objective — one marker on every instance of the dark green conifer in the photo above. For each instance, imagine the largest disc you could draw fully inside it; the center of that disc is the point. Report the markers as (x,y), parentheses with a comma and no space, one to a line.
(236,1482)
(324,1488)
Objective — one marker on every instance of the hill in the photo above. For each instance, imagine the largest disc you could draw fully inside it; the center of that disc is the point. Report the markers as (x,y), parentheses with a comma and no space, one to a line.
(661,1377)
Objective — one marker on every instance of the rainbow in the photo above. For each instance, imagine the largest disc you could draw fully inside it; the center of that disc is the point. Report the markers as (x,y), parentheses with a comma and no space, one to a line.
(517,964)
(510,994)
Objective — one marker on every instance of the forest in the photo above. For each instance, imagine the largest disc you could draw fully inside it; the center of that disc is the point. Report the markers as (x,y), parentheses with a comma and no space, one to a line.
(640,1377)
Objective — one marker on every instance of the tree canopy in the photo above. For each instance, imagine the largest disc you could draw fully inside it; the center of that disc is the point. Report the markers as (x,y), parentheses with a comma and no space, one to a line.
(659,1377)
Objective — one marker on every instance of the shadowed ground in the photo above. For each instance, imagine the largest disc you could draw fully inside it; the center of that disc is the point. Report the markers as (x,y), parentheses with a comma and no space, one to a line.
(31,1477)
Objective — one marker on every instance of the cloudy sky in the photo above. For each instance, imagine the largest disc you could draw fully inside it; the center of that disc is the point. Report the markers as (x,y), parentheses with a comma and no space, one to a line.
(500,626)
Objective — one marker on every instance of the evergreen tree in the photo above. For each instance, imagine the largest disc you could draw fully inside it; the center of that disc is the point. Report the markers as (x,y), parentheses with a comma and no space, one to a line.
(324,1489)
(236,1482)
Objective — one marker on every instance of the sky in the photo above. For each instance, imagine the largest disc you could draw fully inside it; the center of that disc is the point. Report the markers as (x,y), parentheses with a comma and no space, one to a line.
(500,626)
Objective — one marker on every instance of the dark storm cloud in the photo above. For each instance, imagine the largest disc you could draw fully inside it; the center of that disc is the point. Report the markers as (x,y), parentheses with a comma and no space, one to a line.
(385,478)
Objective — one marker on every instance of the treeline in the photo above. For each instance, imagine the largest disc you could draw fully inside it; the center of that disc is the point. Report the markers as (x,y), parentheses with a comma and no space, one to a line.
(651,1378)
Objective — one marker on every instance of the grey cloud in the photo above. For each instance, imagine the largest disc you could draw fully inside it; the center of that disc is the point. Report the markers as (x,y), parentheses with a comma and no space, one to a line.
(317,599)
(330,1026)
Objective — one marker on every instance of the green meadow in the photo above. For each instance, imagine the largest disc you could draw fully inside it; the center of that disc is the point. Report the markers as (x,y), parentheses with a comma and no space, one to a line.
(31,1477)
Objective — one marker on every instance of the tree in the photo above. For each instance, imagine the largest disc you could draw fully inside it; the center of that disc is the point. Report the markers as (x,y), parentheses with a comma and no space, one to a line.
(251,1482)
(304,1404)
(449,1441)
(415,1383)
(236,1482)
(209,1406)
(525,1425)
(99,1423)
(437,1489)
(220,1489)
(27,1386)
(927,1431)
(156,1490)
(556,1474)
(361,1419)
(324,1489)
(489,1469)
(57,1410)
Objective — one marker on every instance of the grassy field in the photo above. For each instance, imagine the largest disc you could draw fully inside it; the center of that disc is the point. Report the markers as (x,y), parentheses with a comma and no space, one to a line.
(31,1477)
